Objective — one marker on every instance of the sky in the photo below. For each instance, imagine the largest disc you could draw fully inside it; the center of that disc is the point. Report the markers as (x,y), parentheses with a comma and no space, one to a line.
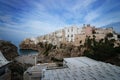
(29,18)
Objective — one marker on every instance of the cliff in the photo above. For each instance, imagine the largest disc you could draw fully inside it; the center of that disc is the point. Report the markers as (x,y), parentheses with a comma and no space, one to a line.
(52,53)
(8,49)
(28,44)
(102,50)
(49,52)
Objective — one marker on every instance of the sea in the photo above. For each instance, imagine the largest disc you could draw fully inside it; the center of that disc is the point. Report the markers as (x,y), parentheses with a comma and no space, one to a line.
(16,38)
(27,52)
(23,51)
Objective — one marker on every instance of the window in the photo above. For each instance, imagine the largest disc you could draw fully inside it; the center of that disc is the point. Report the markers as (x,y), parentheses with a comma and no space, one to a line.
(72,29)
(68,30)
(72,35)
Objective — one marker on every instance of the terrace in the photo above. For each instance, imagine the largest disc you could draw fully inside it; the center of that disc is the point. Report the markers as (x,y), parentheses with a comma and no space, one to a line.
(77,68)
(83,68)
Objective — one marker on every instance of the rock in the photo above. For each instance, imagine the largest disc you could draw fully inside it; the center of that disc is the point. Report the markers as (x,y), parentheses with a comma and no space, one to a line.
(8,49)
(49,51)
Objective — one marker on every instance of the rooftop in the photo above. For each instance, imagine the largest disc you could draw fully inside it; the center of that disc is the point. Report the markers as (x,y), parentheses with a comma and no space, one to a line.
(3,60)
(83,68)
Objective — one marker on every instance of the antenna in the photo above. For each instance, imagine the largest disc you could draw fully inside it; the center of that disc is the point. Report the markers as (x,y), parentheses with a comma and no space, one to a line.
(35,60)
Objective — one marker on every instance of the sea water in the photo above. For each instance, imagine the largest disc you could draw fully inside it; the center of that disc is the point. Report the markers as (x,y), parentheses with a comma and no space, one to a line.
(27,51)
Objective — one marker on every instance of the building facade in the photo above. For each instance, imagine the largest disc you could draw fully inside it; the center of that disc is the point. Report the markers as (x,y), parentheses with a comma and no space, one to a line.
(75,35)
(70,33)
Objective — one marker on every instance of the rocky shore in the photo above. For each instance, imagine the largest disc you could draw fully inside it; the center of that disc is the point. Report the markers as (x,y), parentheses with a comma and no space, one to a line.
(8,49)
(26,59)
(103,50)
(52,53)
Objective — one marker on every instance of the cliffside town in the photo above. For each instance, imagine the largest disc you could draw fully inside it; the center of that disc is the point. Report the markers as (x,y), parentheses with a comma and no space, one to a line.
(73,35)
(97,43)
(73,42)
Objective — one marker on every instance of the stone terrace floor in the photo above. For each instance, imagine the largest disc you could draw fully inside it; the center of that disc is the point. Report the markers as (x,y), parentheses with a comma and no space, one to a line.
(83,68)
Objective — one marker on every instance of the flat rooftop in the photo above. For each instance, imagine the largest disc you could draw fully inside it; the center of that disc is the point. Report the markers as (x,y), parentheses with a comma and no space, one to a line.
(80,62)
(3,60)
(83,68)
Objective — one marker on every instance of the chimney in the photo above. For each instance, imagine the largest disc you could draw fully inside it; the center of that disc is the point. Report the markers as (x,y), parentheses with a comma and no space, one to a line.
(35,60)
(83,25)
(88,25)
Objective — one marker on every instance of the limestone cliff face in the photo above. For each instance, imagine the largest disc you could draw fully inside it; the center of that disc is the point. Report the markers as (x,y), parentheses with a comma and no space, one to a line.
(57,54)
(28,44)
(8,49)
(49,51)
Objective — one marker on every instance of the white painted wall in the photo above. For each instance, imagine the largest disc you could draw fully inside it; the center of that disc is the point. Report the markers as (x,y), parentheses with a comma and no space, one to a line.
(71,31)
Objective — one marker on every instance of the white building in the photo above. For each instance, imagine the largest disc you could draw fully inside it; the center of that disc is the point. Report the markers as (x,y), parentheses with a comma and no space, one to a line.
(35,40)
(70,33)
(56,37)
(59,35)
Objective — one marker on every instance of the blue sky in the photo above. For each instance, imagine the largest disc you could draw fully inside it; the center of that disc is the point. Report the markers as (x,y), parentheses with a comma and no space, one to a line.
(37,17)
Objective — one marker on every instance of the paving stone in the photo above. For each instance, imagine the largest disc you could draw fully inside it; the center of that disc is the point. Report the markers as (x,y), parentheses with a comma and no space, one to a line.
(84,69)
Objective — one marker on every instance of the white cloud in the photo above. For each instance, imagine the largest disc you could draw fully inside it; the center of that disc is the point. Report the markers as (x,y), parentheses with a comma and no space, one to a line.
(50,15)
(91,16)
(82,4)
(8,30)
(41,27)
(107,19)
(7,19)
(100,17)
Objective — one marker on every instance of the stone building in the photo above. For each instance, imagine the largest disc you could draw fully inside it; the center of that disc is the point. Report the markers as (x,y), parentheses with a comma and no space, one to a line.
(54,38)
(104,31)
(66,35)
(31,41)
(87,30)
(99,33)
(79,39)
(75,35)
